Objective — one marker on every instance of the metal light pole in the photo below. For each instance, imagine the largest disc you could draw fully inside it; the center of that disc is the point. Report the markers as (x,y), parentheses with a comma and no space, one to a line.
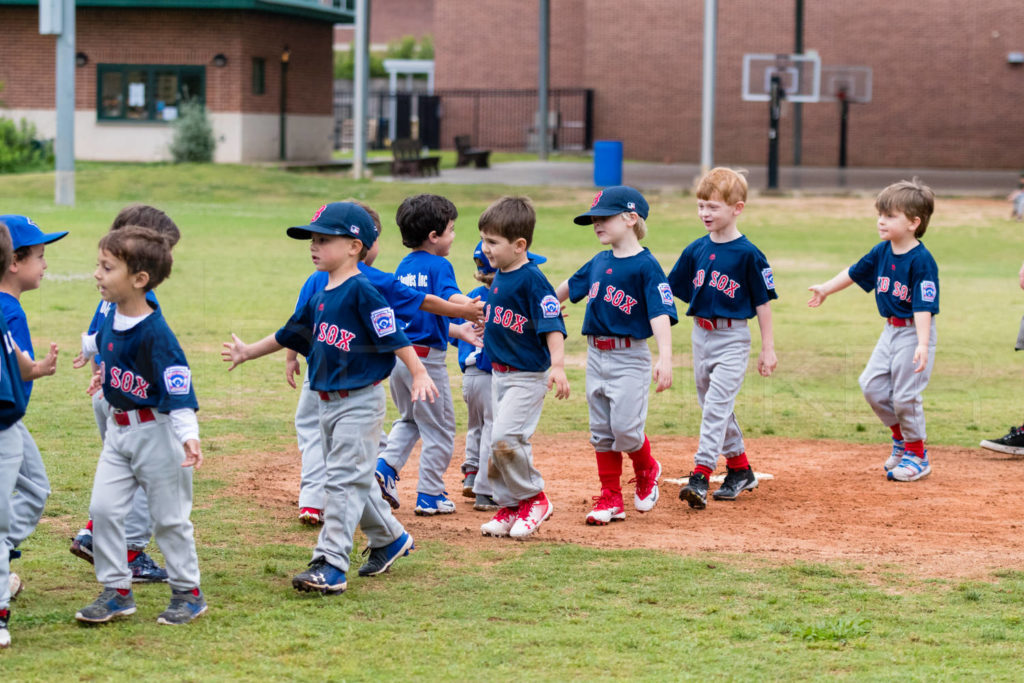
(361,87)
(57,17)
(707,118)
(282,123)
(544,40)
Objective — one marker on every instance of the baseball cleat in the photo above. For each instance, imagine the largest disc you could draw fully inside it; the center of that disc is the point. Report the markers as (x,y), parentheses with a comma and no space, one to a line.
(467,484)
(1012,443)
(321,577)
(310,516)
(911,468)
(107,606)
(427,504)
(608,508)
(696,491)
(81,545)
(184,607)
(896,455)
(15,584)
(501,523)
(381,559)
(5,635)
(386,479)
(532,512)
(646,494)
(736,482)
(145,570)
(484,503)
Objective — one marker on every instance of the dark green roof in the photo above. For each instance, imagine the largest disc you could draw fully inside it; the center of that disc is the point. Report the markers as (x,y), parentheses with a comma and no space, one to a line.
(340,13)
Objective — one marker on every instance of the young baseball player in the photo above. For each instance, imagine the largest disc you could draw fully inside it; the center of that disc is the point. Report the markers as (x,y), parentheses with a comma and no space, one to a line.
(152,437)
(351,338)
(15,367)
(25,273)
(905,279)
(138,526)
(726,280)
(524,337)
(1012,442)
(427,224)
(405,301)
(628,301)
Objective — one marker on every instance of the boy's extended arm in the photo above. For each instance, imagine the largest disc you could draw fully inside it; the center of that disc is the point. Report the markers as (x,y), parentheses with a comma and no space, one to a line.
(556,347)
(470,309)
(467,332)
(422,386)
(819,293)
(34,369)
(562,291)
(766,360)
(291,366)
(237,351)
(662,327)
(923,325)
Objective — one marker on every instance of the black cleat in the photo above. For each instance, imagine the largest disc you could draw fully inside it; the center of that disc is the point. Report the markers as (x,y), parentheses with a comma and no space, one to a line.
(696,491)
(736,482)
(1012,443)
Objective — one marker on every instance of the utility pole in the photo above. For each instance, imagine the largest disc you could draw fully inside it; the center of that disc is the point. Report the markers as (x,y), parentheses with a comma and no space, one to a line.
(57,17)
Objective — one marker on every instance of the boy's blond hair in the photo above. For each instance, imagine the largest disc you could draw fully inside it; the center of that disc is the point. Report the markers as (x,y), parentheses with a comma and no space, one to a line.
(728,184)
(486,278)
(640,227)
(6,248)
(511,218)
(912,198)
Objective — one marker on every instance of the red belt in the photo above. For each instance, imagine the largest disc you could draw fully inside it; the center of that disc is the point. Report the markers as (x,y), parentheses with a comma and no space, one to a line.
(713,323)
(123,417)
(609,343)
(501,367)
(421,351)
(342,393)
(900,322)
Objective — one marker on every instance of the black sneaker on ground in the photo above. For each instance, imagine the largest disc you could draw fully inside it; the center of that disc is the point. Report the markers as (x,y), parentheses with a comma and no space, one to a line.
(1012,443)
(696,491)
(145,570)
(736,482)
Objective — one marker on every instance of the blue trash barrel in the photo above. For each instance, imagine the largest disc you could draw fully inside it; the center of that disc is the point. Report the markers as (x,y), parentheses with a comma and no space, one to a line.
(607,162)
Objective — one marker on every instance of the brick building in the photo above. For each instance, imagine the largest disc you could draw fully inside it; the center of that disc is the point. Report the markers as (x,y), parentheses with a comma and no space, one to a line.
(391,20)
(138,60)
(946,92)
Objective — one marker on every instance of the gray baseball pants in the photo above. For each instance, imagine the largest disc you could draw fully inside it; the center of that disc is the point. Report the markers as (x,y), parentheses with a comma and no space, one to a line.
(518,399)
(890,385)
(350,429)
(147,455)
(10,463)
(432,422)
(476,392)
(138,527)
(618,385)
(31,491)
(719,365)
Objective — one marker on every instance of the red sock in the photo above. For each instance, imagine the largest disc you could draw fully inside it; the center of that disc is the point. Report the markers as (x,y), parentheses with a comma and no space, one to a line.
(88,525)
(738,462)
(702,469)
(123,591)
(915,447)
(195,592)
(132,554)
(609,470)
(641,458)
(897,433)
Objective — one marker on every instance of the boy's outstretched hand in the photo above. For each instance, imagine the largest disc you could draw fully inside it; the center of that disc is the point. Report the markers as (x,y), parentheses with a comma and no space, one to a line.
(233,352)
(818,295)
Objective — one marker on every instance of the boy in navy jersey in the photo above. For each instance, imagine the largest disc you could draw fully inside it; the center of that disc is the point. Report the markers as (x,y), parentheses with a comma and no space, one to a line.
(427,223)
(726,280)
(628,301)
(905,279)
(524,337)
(152,435)
(351,338)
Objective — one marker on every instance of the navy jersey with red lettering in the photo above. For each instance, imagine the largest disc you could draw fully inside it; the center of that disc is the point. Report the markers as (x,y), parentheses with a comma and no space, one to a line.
(904,283)
(481,361)
(405,301)
(144,366)
(348,334)
(107,308)
(12,391)
(429,274)
(723,280)
(521,310)
(623,294)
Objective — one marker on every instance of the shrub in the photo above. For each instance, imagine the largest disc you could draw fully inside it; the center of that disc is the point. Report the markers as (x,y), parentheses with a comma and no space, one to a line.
(193,133)
(20,150)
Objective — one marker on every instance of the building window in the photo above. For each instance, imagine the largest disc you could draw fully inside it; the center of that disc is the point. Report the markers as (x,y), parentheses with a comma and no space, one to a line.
(259,75)
(131,92)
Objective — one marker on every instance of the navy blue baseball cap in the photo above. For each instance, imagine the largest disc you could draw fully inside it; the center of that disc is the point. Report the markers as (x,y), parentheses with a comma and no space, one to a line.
(25,233)
(611,201)
(484,266)
(339,218)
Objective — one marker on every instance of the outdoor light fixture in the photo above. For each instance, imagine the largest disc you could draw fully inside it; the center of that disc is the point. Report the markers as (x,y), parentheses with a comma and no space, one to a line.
(81,59)
(1015,58)
(220,60)
(286,54)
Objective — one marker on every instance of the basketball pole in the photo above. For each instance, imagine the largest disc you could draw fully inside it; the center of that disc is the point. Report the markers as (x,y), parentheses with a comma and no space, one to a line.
(707,119)
(774,112)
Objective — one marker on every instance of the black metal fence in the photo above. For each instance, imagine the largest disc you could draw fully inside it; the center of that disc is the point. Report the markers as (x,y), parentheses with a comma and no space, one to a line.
(496,119)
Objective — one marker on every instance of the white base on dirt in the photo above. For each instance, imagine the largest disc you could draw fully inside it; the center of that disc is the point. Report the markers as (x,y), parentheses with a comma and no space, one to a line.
(715,479)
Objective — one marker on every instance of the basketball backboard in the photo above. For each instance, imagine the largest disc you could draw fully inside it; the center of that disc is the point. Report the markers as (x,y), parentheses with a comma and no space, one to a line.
(852,83)
(800,76)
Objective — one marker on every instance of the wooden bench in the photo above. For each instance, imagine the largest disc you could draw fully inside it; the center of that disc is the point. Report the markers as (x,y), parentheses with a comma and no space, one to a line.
(467,153)
(409,159)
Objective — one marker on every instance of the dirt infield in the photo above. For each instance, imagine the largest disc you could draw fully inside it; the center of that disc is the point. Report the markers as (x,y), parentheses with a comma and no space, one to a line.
(829,501)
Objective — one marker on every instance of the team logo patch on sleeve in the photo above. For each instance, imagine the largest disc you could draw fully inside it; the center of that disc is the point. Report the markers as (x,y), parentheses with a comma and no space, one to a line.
(928,291)
(769,278)
(383,321)
(177,380)
(550,307)
(666,293)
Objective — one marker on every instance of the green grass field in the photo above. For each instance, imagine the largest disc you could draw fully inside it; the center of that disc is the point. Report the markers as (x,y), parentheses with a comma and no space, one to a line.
(537,610)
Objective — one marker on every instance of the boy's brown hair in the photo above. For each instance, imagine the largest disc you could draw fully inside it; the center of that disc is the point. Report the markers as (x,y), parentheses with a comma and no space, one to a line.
(6,248)
(912,198)
(511,218)
(422,214)
(142,250)
(144,216)
(728,184)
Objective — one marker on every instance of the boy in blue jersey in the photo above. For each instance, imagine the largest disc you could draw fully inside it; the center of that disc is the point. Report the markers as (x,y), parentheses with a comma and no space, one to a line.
(15,367)
(427,224)
(628,301)
(726,280)
(138,526)
(152,437)
(24,274)
(405,301)
(524,337)
(905,279)
(351,338)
